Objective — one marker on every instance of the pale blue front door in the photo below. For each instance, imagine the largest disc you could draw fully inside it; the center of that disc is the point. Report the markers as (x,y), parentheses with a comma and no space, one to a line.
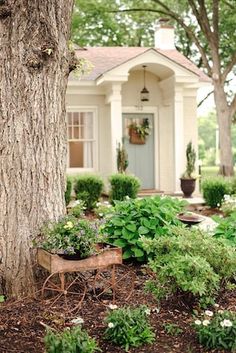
(140,156)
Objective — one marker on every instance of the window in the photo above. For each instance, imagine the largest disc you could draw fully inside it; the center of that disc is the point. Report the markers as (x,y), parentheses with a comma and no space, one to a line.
(81,141)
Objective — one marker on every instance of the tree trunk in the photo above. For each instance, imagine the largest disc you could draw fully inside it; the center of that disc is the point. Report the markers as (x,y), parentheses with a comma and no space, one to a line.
(224,122)
(33,73)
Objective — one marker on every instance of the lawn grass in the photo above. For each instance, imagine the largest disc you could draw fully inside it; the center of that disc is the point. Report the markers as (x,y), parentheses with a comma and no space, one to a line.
(211,171)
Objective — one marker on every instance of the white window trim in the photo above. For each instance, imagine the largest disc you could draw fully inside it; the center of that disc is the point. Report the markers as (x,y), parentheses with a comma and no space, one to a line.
(94,111)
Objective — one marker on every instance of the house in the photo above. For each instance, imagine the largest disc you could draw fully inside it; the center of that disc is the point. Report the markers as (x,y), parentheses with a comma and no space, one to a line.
(102,105)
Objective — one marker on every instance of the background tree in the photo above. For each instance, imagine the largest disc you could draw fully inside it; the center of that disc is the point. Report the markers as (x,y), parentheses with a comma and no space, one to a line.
(34,65)
(206,34)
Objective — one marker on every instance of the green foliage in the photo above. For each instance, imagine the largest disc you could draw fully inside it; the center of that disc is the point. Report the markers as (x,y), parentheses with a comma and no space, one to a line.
(172,329)
(132,219)
(77,209)
(214,189)
(191,159)
(143,129)
(88,188)
(217,331)
(103,209)
(190,262)
(2,299)
(122,186)
(228,205)
(226,229)
(129,327)
(68,190)
(74,340)
(122,158)
(68,236)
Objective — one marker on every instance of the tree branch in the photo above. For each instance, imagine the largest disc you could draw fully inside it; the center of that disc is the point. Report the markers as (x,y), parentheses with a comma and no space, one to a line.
(228,68)
(203,100)
(215,20)
(169,13)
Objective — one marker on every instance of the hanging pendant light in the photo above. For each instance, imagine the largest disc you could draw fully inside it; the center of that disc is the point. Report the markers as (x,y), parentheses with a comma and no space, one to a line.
(144,94)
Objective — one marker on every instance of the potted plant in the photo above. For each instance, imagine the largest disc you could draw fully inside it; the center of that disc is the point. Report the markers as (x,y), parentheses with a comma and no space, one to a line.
(70,238)
(188,179)
(139,132)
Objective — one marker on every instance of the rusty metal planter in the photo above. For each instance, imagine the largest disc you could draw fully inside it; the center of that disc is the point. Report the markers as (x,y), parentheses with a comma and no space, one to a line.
(103,264)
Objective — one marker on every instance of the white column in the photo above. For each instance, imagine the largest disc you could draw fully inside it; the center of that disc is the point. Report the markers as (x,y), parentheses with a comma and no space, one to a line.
(179,152)
(114,98)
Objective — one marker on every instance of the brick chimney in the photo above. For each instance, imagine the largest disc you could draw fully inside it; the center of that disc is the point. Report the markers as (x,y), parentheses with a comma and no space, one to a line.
(164,35)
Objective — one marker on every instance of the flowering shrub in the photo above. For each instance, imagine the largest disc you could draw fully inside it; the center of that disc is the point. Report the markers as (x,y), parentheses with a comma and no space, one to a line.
(217,330)
(228,205)
(74,340)
(68,236)
(129,327)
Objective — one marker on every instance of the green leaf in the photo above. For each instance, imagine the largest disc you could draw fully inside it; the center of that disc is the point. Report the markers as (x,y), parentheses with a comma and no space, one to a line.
(127,254)
(143,230)
(138,252)
(2,299)
(131,227)
(120,243)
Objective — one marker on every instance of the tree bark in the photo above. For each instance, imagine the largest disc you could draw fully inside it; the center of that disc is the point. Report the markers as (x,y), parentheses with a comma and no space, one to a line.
(34,68)
(224,123)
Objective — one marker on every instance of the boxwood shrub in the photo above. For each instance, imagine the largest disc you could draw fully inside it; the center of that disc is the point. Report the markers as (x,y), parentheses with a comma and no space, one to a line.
(214,189)
(123,185)
(88,188)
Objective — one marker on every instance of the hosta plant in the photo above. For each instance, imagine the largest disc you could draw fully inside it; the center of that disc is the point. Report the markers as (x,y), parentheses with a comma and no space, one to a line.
(132,219)
(217,330)
(129,327)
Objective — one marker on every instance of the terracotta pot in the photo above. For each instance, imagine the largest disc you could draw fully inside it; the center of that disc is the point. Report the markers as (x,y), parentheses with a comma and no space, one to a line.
(135,138)
(187,186)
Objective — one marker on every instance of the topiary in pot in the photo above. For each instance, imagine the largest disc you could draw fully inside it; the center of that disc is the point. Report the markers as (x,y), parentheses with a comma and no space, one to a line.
(188,179)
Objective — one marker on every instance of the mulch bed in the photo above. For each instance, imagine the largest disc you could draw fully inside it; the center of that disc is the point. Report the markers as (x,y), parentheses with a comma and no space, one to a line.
(22,323)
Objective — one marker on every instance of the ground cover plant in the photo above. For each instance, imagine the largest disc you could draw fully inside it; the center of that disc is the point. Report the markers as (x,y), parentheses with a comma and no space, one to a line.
(217,330)
(74,340)
(132,219)
(129,327)
(190,262)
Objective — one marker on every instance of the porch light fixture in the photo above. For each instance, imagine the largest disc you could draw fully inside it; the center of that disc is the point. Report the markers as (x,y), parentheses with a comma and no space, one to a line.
(144,94)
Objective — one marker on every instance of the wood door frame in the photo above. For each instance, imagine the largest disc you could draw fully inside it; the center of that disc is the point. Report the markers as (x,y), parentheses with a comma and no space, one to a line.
(150,110)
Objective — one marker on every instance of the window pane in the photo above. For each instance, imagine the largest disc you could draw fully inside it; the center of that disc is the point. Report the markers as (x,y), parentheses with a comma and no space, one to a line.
(76,155)
(70,133)
(69,115)
(77,133)
(75,118)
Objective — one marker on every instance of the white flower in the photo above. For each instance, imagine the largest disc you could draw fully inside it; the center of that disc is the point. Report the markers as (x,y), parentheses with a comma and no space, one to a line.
(106,203)
(147,311)
(112,306)
(205,322)
(220,311)
(216,305)
(111,325)
(77,321)
(209,313)
(198,322)
(226,323)
(157,310)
